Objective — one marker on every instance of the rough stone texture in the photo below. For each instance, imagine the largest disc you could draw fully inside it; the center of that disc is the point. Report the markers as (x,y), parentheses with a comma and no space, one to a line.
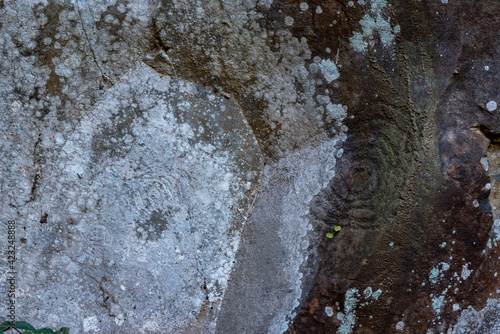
(175,166)
(164,172)
(269,272)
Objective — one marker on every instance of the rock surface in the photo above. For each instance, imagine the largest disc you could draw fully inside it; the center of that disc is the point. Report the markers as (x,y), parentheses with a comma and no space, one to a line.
(179,166)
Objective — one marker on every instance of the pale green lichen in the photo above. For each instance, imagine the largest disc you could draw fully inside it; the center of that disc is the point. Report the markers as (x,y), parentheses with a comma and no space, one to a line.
(435,272)
(350,313)
(437,303)
(376,294)
(335,112)
(329,70)
(373,22)
(434,275)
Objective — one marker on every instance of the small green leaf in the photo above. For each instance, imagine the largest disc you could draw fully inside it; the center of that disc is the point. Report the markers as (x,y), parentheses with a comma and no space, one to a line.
(329,235)
(23,325)
(5,325)
(336,228)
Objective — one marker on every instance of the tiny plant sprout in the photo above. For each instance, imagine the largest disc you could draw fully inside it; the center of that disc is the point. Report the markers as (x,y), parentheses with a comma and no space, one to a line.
(336,228)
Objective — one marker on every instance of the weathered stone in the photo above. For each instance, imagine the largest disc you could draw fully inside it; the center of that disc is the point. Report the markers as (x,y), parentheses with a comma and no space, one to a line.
(179,166)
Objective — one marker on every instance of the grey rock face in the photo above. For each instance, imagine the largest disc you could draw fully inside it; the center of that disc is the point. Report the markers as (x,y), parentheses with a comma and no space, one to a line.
(269,272)
(251,166)
(139,221)
(143,214)
(130,188)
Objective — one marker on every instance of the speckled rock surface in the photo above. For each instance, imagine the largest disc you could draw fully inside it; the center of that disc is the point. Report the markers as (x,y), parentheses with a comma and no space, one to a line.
(179,166)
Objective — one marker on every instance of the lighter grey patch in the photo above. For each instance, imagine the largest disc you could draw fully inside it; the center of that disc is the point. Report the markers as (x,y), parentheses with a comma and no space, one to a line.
(374,21)
(350,312)
(437,303)
(491,106)
(329,70)
(289,21)
(63,70)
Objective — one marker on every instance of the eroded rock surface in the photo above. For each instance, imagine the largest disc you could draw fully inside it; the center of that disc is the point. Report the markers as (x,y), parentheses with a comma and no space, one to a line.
(179,166)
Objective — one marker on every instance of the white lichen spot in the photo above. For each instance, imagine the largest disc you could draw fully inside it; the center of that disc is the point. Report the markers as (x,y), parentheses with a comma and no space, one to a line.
(335,112)
(63,70)
(120,319)
(444,1)
(486,68)
(433,276)
(372,22)
(109,18)
(491,106)
(456,307)
(340,316)
(266,3)
(475,203)
(121,8)
(15,106)
(495,229)
(443,245)
(487,186)
(47,41)
(465,271)
(376,294)
(437,303)
(350,312)
(90,324)
(400,325)
(151,325)
(304,6)
(329,70)
(75,60)
(435,272)
(319,10)
(484,162)
(289,21)
(329,311)
(59,138)
(391,244)
(368,292)
(350,4)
